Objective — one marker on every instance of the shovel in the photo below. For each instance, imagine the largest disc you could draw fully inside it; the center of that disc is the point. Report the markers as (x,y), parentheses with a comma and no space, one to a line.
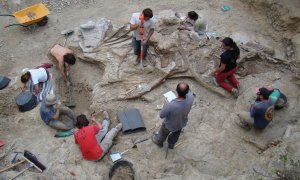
(70,103)
(66,34)
(117,156)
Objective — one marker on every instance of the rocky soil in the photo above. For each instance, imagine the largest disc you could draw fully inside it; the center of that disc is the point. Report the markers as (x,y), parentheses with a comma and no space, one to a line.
(212,146)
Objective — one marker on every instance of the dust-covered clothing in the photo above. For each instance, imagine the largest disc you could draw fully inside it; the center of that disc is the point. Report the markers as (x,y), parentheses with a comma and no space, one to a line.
(176,113)
(38,75)
(148,25)
(86,138)
(262,113)
(66,117)
(47,112)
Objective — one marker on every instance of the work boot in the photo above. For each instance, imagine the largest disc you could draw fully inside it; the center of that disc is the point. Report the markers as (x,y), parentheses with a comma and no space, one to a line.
(171,146)
(235,93)
(137,61)
(105,115)
(155,140)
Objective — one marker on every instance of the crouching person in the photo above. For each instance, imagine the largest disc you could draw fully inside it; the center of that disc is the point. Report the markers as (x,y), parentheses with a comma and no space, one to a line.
(261,111)
(58,117)
(89,137)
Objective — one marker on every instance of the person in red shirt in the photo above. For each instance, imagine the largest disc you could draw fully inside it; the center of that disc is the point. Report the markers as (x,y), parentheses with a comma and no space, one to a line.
(89,137)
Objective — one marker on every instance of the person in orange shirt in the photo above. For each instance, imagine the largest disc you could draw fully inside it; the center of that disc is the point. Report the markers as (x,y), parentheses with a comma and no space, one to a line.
(65,59)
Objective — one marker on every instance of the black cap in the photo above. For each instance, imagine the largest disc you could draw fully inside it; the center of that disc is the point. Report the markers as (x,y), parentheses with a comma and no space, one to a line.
(265,92)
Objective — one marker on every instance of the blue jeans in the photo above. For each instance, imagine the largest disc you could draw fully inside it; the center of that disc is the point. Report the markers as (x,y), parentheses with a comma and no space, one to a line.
(137,48)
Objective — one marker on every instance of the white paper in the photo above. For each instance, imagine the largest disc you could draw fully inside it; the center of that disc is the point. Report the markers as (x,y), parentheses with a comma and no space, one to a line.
(170,96)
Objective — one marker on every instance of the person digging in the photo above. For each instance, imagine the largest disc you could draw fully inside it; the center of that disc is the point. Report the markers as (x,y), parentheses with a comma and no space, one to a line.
(261,111)
(57,116)
(65,59)
(143,28)
(175,114)
(89,137)
(228,67)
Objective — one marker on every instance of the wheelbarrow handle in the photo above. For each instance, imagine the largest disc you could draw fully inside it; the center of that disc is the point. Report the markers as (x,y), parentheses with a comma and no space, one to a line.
(15,25)
(7,15)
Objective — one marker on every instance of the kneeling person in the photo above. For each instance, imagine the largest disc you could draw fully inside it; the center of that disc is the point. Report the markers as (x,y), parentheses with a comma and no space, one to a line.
(60,118)
(89,137)
(262,111)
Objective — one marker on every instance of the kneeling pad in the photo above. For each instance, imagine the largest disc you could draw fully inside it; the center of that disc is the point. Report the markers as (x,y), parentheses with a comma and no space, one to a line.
(131,120)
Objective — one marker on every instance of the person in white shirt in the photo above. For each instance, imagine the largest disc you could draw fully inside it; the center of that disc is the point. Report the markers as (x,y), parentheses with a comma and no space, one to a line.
(192,22)
(138,39)
(36,76)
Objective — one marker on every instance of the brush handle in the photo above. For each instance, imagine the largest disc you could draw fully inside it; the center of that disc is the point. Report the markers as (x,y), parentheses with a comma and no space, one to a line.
(20,173)
(11,166)
(35,164)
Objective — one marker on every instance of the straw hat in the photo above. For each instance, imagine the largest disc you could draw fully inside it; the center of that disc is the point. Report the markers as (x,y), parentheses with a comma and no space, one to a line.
(50,99)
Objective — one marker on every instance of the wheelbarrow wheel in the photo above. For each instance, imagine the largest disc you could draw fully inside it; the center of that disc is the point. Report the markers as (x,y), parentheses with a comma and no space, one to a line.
(43,22)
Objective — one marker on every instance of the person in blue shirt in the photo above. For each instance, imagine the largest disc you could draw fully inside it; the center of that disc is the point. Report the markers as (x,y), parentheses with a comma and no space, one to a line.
(261,111)
(60,118)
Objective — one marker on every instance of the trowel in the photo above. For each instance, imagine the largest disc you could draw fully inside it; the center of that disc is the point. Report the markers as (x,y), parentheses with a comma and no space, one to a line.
(117,156)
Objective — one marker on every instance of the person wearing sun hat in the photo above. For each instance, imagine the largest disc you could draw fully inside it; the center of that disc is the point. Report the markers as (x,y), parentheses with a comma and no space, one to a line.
(261,111)
(55,115)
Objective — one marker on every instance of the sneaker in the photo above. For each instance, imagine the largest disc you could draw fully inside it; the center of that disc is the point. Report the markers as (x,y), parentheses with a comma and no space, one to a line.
(154,139)
(171,146)
(105,115)
(144,63)
(235,93)
(119,127)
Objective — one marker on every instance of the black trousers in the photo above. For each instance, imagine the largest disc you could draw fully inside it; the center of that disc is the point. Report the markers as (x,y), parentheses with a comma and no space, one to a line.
(164,133)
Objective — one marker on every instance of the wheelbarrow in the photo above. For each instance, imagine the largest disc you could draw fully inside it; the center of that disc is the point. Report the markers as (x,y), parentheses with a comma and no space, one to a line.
(36,14)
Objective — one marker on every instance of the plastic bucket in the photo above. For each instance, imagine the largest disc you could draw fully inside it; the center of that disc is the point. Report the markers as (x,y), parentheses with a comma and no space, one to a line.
(26,101)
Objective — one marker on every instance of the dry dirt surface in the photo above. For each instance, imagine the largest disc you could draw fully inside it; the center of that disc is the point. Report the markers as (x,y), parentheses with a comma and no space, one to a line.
(212,146)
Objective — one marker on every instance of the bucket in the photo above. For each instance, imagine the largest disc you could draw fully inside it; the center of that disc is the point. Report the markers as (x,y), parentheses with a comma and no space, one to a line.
(281,102)
(26,101)
(4,81)
(121,170)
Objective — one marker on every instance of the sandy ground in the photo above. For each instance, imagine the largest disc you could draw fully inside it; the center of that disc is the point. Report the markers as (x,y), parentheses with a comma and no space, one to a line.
(213,147)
